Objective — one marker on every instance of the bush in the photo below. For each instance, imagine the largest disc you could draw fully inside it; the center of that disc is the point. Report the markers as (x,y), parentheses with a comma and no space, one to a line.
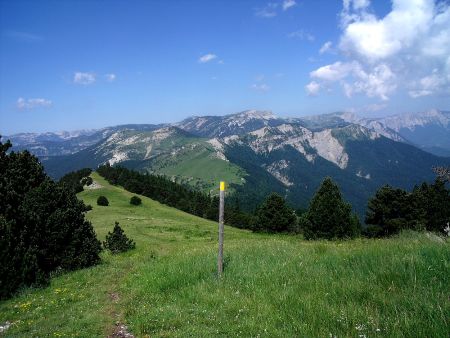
(103,201)
(329,215)
(117,241)
(42,225)
(135,200)
(275,216)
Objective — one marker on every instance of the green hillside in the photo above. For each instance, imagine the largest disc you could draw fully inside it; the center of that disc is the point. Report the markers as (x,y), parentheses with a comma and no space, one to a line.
(172,152)
(195,164)
(274,285)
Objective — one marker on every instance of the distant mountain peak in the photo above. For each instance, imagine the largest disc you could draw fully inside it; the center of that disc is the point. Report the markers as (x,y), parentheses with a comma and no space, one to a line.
(255,114)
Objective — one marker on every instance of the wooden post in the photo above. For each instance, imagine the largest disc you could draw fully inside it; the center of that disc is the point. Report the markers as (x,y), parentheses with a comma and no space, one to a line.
(221,214)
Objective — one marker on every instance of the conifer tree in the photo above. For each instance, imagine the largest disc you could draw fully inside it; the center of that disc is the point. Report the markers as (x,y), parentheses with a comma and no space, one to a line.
(117,241)
(42,225)
(274,215)
(329,216)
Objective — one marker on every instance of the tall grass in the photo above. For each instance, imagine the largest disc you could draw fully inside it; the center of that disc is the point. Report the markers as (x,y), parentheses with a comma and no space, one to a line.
(273,285)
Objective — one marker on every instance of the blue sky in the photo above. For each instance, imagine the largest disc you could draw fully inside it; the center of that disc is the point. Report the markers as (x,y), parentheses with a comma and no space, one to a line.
(67,65)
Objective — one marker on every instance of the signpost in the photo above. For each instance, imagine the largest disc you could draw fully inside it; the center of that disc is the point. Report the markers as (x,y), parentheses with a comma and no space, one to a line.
(221,213)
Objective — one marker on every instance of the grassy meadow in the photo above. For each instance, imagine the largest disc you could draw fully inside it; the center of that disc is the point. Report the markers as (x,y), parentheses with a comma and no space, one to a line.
(273,285)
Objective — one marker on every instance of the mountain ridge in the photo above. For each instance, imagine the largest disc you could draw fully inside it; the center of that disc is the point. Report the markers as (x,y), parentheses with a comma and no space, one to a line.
(258,152)
(397,127)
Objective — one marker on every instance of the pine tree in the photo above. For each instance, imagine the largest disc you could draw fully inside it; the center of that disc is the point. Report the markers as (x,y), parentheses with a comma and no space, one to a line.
(42,225)
(426,207)
(434,200)
(274,215)
(117,241)
(392,210)
(329,216)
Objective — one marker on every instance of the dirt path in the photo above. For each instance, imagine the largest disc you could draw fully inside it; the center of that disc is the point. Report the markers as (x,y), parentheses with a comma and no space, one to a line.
(120,330)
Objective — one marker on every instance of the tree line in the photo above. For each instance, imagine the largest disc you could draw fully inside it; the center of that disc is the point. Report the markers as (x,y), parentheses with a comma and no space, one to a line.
(328,216)
(173,194)
(426,207)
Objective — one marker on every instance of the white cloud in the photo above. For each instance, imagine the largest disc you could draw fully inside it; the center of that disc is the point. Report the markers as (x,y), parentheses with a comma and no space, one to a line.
(312,88)
(268,11)
(27,104)
(272,9)
(408,49)
(325,47)
(302,35)
(356,4)
(377,82)
(260,87)
(207,58)
(335,71)
(110,77)
(288,4)
(429,85)
(84,78)
(374,82)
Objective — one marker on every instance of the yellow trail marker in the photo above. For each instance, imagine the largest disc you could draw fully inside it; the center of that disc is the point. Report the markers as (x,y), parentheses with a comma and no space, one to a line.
(221,216)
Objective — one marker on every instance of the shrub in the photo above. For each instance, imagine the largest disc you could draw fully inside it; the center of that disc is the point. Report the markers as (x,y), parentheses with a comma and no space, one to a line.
(103,201)
(275,215)
(117,241)
(135,200)
(329,215)
(42,225)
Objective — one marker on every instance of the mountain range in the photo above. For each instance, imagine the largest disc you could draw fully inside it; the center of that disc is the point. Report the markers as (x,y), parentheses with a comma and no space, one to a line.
(257,152)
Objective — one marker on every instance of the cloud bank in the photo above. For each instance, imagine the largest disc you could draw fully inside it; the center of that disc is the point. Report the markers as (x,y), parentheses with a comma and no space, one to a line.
(406,50)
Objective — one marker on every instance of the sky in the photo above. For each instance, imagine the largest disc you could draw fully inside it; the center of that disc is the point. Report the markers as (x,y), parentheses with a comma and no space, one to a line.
(68,65)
